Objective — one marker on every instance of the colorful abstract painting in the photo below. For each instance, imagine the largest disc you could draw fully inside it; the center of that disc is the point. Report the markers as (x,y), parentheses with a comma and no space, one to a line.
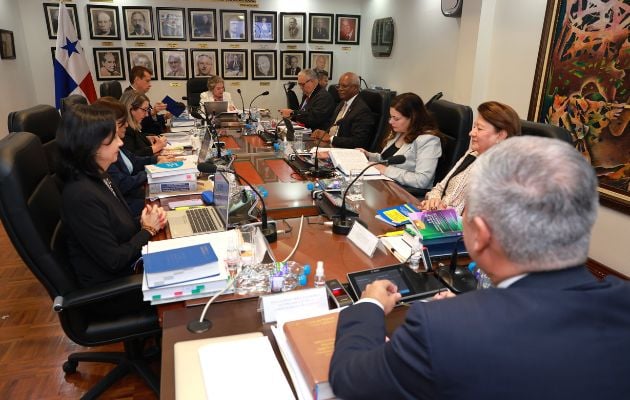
(582,84)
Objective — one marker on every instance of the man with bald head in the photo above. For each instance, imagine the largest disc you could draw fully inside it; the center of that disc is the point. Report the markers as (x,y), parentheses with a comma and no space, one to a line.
(353,123)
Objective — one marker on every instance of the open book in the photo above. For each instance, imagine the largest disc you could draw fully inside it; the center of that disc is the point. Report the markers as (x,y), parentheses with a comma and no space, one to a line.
(348,159)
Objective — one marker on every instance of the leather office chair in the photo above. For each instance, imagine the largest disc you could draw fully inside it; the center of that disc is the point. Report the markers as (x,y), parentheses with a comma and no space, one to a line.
(194,88)
(30,204)
(378,101)
(72,100)
(334,92)
(292,100)
(41,120)
(455,122)
(111,88)
(545,130)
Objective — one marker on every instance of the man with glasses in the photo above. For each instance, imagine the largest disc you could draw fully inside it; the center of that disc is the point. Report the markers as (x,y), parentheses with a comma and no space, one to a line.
(352,124)
(154,123)
(317,105)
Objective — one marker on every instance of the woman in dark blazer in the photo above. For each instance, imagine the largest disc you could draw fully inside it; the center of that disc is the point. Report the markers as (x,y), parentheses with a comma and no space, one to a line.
(136,142)
(103,239)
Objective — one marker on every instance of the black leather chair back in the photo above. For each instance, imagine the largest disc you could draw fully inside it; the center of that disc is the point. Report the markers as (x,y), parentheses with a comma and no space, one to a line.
(455,122)
(194,88)
(332,89)
(292,100)
(41,120)
(72,100)
(545,130)
(30,204)
(111,88)
(378,101)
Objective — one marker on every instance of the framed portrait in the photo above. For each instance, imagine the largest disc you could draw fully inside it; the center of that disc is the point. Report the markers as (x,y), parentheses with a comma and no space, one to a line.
(104,22)
(109,63)
(264,25)
(202,24)
(174,64)
(51,13)
(347,29)
(7,45)
(292,27)
(234,64)
(143,57)
(264,65)
(138,22)
(583,88)
(204,62)
(321,61)
(233,26)
(320,28)
(171,23)
(292,62)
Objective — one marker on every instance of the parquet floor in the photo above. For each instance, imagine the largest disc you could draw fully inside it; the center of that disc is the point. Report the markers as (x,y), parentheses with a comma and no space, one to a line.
(33,346)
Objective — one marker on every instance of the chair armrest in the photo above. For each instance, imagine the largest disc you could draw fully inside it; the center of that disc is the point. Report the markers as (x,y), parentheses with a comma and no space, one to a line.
(101,292)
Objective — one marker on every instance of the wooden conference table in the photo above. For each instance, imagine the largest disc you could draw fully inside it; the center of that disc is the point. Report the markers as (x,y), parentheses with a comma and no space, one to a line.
(288,199)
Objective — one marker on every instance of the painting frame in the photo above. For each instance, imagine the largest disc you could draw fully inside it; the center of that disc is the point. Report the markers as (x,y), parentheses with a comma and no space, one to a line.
(286,28)
(149,54)
(231,26)
(171,74)
(195,53)
(147,32)
(94,12)
(262,31)
(234,73)
(171,29)
(315,56)
(102,58)
(285,63)
(354,22)
(7,45)
(51,23)
(320,33)
(198,29)
(595,116)
(257,73)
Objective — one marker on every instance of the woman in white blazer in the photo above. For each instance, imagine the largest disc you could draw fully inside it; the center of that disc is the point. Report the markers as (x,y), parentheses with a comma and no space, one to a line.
(216,92)
(413,134)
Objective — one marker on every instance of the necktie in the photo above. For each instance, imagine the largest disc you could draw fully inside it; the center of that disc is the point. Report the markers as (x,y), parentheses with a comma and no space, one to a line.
(335,128)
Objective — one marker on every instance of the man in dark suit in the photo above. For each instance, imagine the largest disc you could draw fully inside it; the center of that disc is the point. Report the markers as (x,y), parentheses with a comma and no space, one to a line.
(352,124)
(154,123)
(549,330)
(292,68)
(320,31)
(317,105)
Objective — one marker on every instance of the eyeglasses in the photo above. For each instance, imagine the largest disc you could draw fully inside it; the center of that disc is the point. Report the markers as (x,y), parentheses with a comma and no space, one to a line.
(146,110)
(304,83)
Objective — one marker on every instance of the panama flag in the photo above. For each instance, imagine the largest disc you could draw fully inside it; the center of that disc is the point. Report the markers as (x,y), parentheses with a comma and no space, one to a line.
(72,75)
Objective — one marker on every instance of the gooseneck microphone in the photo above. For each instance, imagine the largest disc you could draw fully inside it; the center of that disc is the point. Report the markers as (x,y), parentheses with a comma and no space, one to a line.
(315,170)
(341,223)
(457,278)
(265,93)
(269,230)
(242,101)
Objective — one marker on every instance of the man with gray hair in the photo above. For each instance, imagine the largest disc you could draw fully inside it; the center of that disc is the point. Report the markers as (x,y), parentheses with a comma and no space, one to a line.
(317,104)
(549,330)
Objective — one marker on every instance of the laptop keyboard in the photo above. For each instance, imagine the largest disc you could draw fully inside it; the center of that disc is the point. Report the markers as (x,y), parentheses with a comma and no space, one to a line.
(202,220)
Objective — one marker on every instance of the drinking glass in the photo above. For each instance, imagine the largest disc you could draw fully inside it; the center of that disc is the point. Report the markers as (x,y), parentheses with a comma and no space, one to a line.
(233,260)
(357,187)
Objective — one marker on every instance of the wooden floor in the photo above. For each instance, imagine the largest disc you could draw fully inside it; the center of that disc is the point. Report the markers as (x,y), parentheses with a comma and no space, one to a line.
(33,346)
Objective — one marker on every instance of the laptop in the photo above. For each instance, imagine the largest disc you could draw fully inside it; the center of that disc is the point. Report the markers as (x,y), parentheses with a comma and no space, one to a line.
(204,149)
(215,107)
(197,221)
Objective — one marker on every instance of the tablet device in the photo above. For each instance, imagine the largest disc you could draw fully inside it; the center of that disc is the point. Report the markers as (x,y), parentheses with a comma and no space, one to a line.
(411,285)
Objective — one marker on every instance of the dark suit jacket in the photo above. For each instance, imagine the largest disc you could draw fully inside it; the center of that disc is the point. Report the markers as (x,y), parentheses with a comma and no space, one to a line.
(551,335)
(131,184)
(102,237)
(287,71)
(356,127)
(317,111)
(152,125)
(320,33)
(137,143)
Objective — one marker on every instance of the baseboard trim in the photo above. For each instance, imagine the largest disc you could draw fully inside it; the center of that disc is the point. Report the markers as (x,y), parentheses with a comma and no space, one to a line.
(601,271)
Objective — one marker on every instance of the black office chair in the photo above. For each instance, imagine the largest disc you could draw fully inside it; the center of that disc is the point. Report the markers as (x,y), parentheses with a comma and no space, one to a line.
(41,120)
(378,101)
(545,130)
(72,100)
(111,88)
(334,92)
(292,100)
(194,88)
(455,122)
(30,205)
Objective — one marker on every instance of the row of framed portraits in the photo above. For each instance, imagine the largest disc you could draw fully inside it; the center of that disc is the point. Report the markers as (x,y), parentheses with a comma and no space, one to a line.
(200,24)
(233,64)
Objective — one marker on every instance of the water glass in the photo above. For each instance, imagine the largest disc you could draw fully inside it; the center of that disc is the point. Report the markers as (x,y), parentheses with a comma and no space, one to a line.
(357,187)
(298,144)
(233,260)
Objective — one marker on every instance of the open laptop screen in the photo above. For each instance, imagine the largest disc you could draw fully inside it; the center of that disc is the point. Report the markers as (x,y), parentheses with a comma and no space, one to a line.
(215,107)
(204,149)
(222,196)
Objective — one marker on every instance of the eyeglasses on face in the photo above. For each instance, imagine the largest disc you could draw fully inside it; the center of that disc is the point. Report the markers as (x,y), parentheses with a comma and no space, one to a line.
(304,83)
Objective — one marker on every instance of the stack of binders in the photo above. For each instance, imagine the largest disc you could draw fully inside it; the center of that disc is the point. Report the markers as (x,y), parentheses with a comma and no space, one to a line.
(176,176)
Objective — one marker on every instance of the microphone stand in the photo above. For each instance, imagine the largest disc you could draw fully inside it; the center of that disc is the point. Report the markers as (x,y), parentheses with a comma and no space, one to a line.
(458,279)
(249,118)
(315,171)
(212,125)
(242,101)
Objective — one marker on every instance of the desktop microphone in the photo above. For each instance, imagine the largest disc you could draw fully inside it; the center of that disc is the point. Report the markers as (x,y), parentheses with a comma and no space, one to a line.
(269,230)
(315,171)
(456,277)
(242,101)
(437,96)
(289,86)
(265,93)
(341,223)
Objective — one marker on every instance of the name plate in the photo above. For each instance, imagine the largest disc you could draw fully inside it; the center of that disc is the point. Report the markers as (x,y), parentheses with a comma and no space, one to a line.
(363,239)
(140,44)
(175,84)
(235,46)
(346,48)
(301,301)
(172,45)
(265,83)
(109,44)
(291,47)
(203,45)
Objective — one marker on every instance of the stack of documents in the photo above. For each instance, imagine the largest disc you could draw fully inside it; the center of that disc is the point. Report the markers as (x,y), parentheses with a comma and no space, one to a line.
(175,176)
(347,160)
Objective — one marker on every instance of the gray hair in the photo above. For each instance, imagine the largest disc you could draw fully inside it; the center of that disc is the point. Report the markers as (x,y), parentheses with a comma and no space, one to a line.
(308,73)
(539,197)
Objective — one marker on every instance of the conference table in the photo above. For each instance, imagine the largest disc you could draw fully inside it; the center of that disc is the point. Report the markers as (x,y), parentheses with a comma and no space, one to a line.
(289,198)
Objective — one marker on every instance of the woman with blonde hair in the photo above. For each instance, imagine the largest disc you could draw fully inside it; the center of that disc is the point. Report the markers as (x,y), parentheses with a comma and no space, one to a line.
(216,92)
(136,142)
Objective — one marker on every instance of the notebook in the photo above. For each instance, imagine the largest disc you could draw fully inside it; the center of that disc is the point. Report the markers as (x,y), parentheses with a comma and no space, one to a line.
(197,221)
